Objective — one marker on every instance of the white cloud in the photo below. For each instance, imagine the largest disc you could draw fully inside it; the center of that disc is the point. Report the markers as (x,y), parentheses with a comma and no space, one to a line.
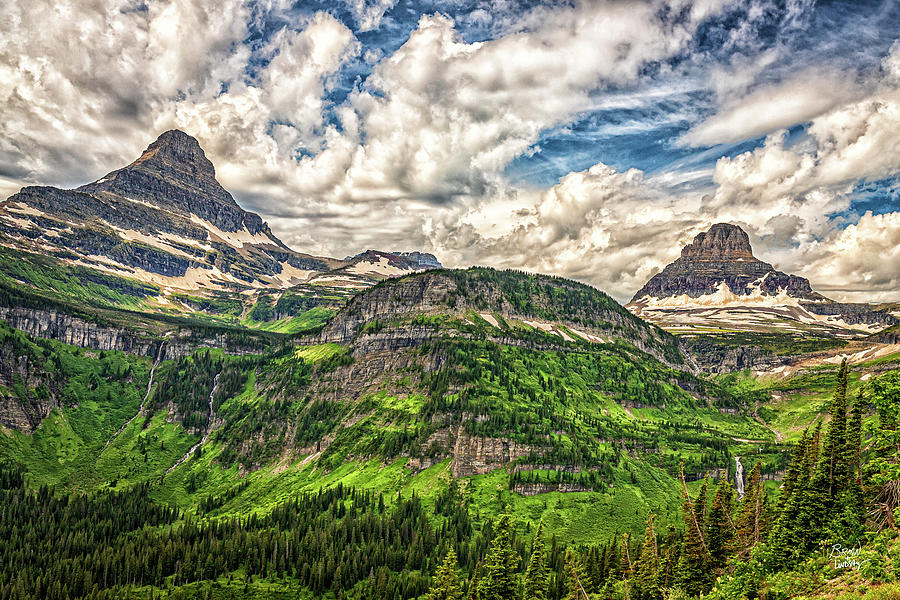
(616,229)
(369,13)
(773,107)
(862,259)
(80,81)
(414,158)
(294,80)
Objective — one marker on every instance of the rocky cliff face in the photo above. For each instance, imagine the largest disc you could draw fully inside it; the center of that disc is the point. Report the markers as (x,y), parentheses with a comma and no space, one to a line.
(537,301)
(20,407)
(72,330)
(722,255)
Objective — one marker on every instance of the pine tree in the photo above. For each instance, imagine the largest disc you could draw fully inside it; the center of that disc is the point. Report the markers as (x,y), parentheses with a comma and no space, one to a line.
(883,470)
(445,585)
(536,574)
(750,523)
(720,528)
(646,570)
(474,592)
(831,473)
(576,577)
(790,537)
(500,580)
(691,570)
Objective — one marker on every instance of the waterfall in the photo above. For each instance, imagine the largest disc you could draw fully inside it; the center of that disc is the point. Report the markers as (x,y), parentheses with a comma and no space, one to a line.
(159,356)
(209,424)
(739,477)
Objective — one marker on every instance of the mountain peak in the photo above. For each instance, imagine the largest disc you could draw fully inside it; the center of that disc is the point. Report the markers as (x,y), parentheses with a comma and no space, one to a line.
(723,241)
(720,255)
(174,173)
(174,149)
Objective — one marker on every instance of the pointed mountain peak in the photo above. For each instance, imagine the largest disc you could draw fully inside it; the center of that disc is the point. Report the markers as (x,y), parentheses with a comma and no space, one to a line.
(174,173)
(178,150)
(723,241)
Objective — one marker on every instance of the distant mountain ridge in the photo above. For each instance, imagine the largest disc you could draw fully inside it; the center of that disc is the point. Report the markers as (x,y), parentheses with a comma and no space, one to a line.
(165,219)
(718,283)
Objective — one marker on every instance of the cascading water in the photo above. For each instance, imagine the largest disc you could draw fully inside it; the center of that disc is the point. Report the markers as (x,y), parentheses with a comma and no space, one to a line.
(739,476)
(159,355)
(209,421)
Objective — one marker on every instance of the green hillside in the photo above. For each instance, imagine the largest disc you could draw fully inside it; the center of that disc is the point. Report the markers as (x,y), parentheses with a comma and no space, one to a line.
(346,462)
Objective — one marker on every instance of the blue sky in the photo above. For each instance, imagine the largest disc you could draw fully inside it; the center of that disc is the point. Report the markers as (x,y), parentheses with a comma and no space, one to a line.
(586,138)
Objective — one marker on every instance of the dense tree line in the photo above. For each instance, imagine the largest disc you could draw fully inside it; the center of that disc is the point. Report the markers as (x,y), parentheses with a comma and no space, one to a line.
(726,545)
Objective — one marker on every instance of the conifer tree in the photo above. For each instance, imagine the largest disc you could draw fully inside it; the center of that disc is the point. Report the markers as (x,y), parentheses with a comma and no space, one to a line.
(691,570)
(500,579)
(445,585)
(536,574)
(577,582)
(749,526)
(720,528)
(883,470)
(646,570)
(474,591)
(791,537)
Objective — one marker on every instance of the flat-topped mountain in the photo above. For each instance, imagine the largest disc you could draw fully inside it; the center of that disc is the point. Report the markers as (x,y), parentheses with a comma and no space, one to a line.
(718,283)
(720,255)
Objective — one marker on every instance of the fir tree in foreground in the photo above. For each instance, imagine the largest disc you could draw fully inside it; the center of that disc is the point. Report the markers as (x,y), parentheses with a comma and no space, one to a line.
(536,574)
(500,581)
(445,585)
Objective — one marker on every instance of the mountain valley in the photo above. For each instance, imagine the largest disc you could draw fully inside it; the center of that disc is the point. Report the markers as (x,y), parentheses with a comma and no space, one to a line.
(236,419)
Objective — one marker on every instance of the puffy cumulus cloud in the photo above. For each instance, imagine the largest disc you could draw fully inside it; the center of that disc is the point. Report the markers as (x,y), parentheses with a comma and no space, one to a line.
(368,13)
(442,117)
(612,229)
(430,130)
(812,180)
(414,156)
(295,79)
(80,80)
(616,229)
(862,258)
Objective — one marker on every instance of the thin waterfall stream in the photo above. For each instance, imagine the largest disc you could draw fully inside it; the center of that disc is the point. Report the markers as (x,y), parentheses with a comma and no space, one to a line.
(739,476)
(159,355)
(209,419)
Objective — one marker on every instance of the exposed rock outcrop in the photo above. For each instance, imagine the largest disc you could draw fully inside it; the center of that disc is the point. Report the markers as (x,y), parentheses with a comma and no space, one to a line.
(722,254)
(456,292)
(160,215)
(479,455)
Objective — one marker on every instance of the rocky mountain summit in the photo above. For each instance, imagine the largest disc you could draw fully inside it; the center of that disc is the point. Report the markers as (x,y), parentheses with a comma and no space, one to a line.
(164,219)
(718,283)
(721,255)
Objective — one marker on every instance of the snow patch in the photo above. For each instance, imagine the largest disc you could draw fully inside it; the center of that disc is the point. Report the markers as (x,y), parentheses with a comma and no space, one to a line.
(238,239)
(24,209)
(490,319)
(382,267)
(291,275)
(723,297)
